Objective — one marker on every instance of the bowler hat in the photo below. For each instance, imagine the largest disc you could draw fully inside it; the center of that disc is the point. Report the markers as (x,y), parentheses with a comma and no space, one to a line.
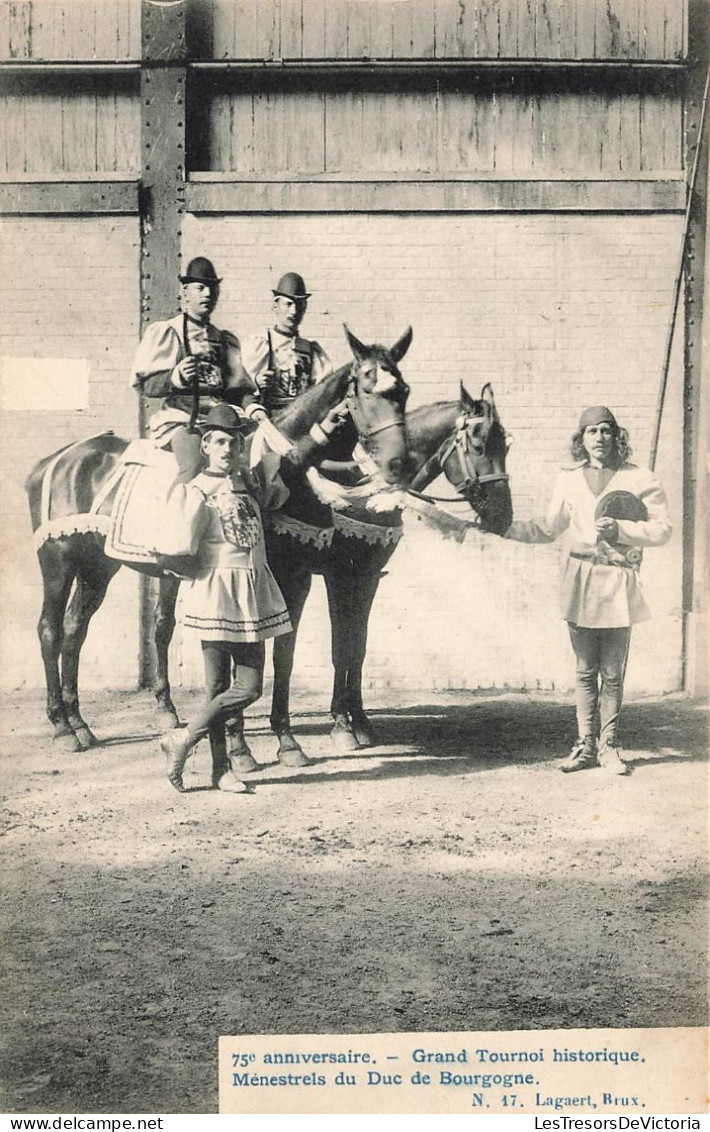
(200,270)
(291,286)
(622,505)
(225,418)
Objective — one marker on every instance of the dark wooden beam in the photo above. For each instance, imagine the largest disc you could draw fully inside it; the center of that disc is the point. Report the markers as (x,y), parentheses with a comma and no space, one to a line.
(64,198)
(435,196)
(695,393)
(162,93)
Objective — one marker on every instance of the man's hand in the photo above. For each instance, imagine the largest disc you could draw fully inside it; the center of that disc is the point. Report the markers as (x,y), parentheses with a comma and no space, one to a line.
(334,418)
(185,372)
(608,528)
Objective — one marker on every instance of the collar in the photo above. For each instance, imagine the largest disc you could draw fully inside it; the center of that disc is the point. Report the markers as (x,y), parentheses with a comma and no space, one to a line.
(288,334)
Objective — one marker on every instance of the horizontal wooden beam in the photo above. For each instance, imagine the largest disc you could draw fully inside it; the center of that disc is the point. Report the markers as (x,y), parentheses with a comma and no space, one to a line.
(436,196)
(45,198)
(73,66)
(343,66)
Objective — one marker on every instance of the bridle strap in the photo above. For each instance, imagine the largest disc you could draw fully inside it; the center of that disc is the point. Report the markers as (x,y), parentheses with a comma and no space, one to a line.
(365,434)
(471,480)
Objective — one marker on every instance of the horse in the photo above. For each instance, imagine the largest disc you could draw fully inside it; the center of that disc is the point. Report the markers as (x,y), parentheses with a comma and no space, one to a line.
(462,439)
(70,530)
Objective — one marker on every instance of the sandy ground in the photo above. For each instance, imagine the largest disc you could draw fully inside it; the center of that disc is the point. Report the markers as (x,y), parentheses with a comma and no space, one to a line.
(449,879)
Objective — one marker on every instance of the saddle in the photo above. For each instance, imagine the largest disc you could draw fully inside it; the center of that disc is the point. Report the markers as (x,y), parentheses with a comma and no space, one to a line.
(135,498)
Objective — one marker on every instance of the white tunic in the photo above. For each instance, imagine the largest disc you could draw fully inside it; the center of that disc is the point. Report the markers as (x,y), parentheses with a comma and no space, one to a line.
(234,596)
(255,356)
(593,595)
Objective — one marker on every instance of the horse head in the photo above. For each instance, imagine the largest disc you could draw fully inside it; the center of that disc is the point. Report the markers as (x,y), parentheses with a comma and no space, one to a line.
(473,460)
(377,401)
(467,442)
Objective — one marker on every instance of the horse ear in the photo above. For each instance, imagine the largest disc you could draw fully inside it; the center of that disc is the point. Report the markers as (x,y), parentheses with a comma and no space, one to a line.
(359,351)
(487,396)
(402,345)
(466,401)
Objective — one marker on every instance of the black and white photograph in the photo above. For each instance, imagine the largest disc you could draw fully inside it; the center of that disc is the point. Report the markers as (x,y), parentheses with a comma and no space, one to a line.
(353,554)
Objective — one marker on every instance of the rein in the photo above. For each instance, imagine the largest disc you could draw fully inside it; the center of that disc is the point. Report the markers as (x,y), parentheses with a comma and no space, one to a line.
(471,481)
(192,426)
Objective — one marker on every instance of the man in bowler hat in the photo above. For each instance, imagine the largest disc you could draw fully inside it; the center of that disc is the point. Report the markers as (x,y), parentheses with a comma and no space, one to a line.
(280,362)
(189,366)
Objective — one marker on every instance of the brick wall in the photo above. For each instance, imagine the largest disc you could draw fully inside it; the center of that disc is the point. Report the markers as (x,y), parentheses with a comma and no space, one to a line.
(557,312)
(70,291)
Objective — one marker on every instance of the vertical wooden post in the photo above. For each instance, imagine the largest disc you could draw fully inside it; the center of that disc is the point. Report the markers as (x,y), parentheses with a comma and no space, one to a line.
(695,407)
(162,197)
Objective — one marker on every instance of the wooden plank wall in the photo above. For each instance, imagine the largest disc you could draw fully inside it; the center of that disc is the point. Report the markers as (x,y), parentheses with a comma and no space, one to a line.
(444,29)
(91,125)
(427,127)
(64,30)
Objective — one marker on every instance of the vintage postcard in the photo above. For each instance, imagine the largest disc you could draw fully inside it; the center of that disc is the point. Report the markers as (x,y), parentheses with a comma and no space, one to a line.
(354,574)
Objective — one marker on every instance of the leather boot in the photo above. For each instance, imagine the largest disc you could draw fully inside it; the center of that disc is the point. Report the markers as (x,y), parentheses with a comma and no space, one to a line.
(177,746)
(223,776)
(611,760)
(583,756)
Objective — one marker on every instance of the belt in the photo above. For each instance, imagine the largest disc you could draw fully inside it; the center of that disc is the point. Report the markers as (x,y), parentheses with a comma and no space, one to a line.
(628,561)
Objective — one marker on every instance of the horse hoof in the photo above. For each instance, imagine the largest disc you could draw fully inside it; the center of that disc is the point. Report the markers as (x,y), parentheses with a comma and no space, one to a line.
(229,783)
(68,742)
(167,721)
(365,735)
(294,758)
(85,737)
(291,752)
(344,739)
(243,763)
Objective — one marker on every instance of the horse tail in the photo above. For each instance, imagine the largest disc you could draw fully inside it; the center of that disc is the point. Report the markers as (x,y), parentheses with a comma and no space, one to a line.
(62,488)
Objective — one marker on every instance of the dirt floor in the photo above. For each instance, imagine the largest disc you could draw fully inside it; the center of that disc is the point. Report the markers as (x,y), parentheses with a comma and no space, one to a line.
(449,879)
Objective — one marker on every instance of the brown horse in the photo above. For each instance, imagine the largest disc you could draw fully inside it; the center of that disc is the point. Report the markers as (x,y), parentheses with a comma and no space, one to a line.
(62,490)
(465,441)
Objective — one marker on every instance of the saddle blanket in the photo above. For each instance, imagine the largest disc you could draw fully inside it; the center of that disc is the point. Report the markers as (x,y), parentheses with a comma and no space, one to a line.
(139,527)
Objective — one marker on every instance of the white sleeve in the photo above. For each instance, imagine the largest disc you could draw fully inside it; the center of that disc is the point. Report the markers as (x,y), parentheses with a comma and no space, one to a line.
(321,363)
(255,355)
(159,350)
(547,527)
(657,529)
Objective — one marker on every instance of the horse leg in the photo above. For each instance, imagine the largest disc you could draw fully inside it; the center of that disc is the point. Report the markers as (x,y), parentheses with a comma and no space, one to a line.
(364,595)
(57,578)
(340,584)
(164,627)
(87,597)
(295,589)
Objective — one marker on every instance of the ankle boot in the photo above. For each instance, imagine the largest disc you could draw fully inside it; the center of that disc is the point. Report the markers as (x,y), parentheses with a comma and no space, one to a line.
(583,756)
(177,746)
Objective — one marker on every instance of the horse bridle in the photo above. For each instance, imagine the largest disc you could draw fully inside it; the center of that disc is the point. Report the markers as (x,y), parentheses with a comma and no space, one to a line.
(469,487)
(364,433)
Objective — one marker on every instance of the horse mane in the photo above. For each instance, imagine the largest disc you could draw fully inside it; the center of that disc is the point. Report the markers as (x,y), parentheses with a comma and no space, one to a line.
(312,405)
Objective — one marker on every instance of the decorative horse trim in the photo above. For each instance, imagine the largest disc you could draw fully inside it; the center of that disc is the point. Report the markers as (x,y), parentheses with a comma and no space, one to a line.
(70,525)
(305,533)
(370,533)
